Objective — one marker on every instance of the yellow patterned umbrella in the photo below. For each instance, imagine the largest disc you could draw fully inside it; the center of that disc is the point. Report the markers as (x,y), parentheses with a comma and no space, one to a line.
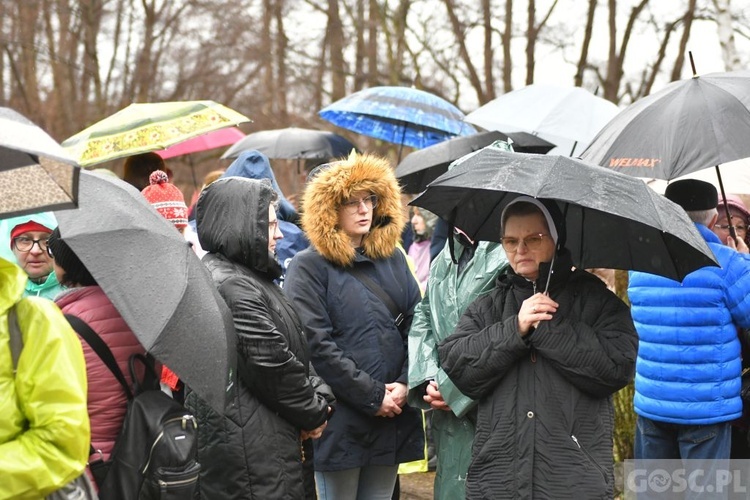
(140,128)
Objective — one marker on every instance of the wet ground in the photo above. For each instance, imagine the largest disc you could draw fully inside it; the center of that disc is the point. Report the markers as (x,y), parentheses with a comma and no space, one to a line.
(417,486)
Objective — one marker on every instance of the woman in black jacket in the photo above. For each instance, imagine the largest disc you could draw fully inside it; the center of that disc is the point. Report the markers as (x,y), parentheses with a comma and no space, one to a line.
(256,449)
(542,353)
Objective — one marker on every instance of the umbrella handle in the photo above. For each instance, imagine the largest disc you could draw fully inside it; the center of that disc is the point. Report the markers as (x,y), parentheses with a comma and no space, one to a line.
(732,232)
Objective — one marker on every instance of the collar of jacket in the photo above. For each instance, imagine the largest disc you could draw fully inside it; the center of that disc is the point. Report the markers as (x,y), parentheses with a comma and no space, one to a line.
(562,268)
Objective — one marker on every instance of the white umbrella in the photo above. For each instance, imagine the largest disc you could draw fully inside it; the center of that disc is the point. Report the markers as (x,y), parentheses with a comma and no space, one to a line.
(567,116)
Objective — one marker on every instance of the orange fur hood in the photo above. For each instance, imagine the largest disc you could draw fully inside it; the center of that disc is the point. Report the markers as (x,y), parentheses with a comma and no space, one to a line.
(334,184)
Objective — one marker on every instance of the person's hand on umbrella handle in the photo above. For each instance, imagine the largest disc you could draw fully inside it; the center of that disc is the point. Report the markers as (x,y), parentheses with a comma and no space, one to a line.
(538,307)
(738,244)
(434,398)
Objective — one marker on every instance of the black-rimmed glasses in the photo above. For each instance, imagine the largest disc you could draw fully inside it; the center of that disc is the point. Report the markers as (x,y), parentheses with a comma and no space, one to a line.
(25,244)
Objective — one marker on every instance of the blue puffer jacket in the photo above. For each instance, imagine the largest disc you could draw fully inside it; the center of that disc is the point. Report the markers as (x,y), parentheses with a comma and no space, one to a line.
(688,367)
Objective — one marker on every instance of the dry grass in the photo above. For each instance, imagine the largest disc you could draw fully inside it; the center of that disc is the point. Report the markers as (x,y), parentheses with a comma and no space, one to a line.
(417,486)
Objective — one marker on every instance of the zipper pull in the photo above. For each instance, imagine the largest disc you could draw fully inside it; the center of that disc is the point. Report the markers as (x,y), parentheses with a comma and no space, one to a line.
(533,355)
(575,440)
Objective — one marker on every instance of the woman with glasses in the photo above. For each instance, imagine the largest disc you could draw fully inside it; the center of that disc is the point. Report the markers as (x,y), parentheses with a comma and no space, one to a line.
(28,236)
(542,353)
(739,218)
(341,288)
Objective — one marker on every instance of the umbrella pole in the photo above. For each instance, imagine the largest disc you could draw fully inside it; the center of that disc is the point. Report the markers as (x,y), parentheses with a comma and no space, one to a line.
(401,143)
(573,149)
(732,233)
(192,171)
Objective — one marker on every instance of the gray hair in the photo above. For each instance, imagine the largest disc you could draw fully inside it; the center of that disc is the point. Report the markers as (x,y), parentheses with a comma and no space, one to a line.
(702,216)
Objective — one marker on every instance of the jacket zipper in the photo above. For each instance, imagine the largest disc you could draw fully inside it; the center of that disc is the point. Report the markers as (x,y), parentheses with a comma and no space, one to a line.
(165,485)
(590,458)
(184,419)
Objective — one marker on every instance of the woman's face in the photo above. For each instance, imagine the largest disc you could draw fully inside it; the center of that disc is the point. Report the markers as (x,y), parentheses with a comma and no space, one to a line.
(524,231)
(355,215)
(739,223)
(417,223)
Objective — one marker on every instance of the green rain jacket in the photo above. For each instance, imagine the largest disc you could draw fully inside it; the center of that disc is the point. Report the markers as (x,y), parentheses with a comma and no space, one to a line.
(44,424)
(452,431)
(51,287)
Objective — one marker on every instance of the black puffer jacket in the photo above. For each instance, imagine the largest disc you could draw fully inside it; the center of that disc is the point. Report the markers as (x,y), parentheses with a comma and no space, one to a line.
(254,451)
(545,416)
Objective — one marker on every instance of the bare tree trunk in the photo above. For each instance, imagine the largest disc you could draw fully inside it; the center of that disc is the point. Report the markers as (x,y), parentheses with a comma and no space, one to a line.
(25,95)
(725,28)
(336,51)
(616,59)
(458,33)
(507,37)
(266,50)
(489,53)
(530,42)
(373,21)
(360,54)
(588,30)
(687,24)
(281,71)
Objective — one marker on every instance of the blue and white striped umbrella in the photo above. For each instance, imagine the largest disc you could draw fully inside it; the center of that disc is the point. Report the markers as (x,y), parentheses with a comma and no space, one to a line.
(401,115)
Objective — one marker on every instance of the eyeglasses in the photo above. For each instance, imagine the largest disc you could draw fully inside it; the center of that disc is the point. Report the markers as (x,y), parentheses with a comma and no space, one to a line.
(352,206)
(531,242)
(725,227)
(25,244)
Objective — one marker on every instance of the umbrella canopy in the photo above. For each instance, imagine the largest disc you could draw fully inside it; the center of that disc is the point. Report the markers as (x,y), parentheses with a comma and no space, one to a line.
(140,128)
(567,116)
(212,140)
(156,282)
(36,173)
(293,143)
(689,125)
(400,115)
(612,220)
(425,165)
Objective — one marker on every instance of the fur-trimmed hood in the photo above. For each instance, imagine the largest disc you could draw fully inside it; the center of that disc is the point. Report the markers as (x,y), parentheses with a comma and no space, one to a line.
(335,183)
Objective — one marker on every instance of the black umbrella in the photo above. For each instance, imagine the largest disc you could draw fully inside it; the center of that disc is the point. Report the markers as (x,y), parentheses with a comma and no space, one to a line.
(613,221)
(425,165)
(687,126)
(293,144)
(160,287)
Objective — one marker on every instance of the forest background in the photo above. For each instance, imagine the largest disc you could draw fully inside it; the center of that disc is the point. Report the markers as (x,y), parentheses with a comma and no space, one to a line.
(66,64)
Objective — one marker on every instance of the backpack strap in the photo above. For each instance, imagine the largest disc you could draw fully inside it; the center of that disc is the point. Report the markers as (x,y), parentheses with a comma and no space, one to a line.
(16,339)
(100,348)
(398,316)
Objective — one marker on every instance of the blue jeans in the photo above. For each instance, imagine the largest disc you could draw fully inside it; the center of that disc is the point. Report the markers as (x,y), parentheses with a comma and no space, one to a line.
(706,447)
(372,482)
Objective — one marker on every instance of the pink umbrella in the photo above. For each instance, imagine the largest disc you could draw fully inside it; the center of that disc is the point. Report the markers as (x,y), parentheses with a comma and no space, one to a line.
(211,140)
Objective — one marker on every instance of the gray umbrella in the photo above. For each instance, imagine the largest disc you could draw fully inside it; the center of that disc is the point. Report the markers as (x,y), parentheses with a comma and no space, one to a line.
(159,286)
(293,144)
(612,220)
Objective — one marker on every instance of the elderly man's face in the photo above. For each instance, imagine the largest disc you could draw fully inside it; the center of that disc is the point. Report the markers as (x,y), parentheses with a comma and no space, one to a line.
(527,243)
(34,260)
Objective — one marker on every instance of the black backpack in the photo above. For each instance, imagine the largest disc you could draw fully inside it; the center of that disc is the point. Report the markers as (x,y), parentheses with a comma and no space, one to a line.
(154,456)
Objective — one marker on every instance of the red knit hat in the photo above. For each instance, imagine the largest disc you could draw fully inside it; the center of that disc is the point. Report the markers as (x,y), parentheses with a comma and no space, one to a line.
(166,198)
(25,228)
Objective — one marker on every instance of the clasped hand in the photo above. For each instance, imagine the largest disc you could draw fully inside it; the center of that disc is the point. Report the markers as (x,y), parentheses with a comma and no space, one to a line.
(538,307)
(393,401)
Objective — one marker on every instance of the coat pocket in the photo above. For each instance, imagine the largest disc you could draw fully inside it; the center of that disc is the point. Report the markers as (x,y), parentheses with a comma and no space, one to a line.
(590,459)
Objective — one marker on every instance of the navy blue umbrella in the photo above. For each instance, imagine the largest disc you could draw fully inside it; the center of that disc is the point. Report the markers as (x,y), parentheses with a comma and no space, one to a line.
(401,115)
